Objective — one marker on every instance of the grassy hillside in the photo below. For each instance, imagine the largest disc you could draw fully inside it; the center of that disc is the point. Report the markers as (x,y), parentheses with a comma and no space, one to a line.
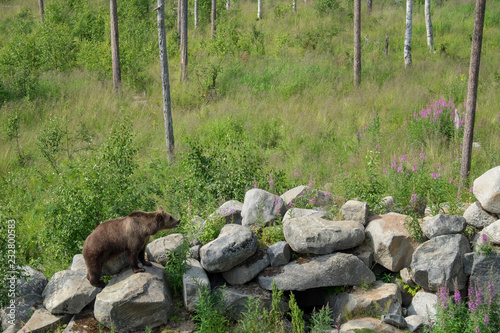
(268,102)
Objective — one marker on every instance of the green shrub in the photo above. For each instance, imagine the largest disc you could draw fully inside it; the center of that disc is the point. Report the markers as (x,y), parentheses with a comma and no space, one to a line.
(209,312)
(176,266)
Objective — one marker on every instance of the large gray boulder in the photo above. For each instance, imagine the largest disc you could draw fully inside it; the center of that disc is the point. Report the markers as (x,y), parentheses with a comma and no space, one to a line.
(492,233)
(368,324)
(382,298)
(487,190)
(320,236)
(486,270)
(193,280)
(443,225)
(392,245)
(230,211)
(279,253)
(261,207)
(234,245)
(477,217)
(44,321)
(32,282)
(439,262)
(68,292)
(423,304)
(130,302)
(337,269)
(307,195)
(110,267)
(157,249)
(302,212)
(247,270)
(14,314)
(354,210)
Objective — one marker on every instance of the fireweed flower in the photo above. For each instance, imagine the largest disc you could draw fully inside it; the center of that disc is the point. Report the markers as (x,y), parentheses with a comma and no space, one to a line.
(296,174)
(400,169)
(457,296)
(422,155)
(484,238)
(442,294)
(486,320)
(311,183)
(271,182)
(393,164)
(403,157)
(312,202)
(414,168)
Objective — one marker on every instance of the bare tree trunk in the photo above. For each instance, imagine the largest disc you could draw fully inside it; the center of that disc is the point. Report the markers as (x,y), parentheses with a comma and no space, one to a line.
(165,82)
(115,49)
(179,20)
(369,7)
(41,9)
(259,9)
(214,16)
(386,50)
(228,3)
(409,17)
(428,25)
(357,42)
(196,14)
(294,6)
(470,114)
(184,39)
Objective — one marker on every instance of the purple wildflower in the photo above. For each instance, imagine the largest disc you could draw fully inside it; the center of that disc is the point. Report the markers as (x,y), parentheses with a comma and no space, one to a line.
(400,169)
(377,147)
(403,157)
(486,320)
(422,155)
(451,180)
(384,170)
(327,193)
(484,238)
(472,304)
(312,202)
(435,175)
(491,292)
(393,164)
(471,189)
(458,297)
(296,174)
(255,185)
(414,168)
(441,297)
(271,182)
(311,183)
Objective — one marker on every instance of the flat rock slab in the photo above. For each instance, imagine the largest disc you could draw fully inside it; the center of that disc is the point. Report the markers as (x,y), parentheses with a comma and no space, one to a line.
(392,245)
(361,324)
(44,321)
(247,270)
(443,225)
(130,302)
(337,269)
(319,236)
(234,245)
(302,212)
(68,292)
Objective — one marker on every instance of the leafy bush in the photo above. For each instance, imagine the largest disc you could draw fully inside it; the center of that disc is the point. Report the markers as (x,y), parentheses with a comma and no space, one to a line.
(176,266)
(209,312)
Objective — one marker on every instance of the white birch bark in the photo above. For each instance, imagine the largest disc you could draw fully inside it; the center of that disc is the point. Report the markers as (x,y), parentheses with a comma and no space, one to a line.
(227,4)
(409,16)
(428,25)
(294,6)
(259,9)
(196,14)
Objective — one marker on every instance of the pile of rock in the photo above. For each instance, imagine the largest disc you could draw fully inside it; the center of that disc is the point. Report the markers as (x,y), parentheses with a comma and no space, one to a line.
(340,255)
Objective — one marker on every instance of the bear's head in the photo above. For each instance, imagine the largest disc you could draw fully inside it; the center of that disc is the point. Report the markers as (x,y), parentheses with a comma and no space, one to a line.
(165,220)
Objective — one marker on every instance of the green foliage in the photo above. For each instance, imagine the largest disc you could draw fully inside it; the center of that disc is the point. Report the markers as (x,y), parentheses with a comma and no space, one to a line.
(176,266)
(322,321)
(296,313)
(411,290)
(484,247)
(209,312)
(96,188)
(412,225)
(212,229)
(49,142)
(326,6)
(272,233)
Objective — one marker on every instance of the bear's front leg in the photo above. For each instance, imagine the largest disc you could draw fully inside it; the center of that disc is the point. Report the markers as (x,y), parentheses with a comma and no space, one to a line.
(142,258)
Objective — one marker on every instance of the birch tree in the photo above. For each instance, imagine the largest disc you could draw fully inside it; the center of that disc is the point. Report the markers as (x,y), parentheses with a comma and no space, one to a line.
(409,16)
(259,9)
(357,42)
(428,25)
(115,49)
(369,7)
(294,6)
(470,109)
(228,3)
(184,39)
(196,14)
(41,10)
(165,81)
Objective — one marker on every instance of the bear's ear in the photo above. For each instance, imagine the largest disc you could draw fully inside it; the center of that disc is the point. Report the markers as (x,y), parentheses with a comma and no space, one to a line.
(160,209)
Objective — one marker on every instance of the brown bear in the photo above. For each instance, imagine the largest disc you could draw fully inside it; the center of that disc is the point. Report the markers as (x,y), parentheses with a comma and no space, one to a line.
(126,234)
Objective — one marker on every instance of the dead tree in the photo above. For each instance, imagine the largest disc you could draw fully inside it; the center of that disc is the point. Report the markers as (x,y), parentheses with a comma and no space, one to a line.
(41,9)
(184,39)
(470,109)
(357,42)
(115,49)
(165,82)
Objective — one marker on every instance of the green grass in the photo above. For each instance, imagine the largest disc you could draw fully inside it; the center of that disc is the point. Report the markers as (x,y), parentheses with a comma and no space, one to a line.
(284,83)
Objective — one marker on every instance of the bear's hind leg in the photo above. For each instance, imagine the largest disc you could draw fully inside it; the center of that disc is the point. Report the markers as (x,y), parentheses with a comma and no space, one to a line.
(142,258)
(134,262)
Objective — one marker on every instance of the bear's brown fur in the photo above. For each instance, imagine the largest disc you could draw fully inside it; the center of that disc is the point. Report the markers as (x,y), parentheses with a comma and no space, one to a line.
(126,234)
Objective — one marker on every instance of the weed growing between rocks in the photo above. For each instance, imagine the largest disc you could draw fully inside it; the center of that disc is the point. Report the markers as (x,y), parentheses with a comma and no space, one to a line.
(481,314)
(176,266)
(209,312)
(322,321)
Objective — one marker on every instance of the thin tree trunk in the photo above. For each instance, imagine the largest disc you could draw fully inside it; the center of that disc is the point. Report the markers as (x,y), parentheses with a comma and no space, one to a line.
(294,6)
(214,16)
(470,114)
(184,39)
(115,49)
(196,14)
(228,3)
(386,50)
(409,17)
(179,6)
(259,9)
(41,9)
(165,82)
(369,7)
(357,42)
(428,25)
